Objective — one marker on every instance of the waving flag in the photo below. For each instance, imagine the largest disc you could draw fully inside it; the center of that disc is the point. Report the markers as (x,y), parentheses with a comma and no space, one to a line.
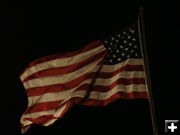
(96,75)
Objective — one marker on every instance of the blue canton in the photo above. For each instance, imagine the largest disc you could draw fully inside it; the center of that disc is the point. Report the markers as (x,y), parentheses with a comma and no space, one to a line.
(123,45)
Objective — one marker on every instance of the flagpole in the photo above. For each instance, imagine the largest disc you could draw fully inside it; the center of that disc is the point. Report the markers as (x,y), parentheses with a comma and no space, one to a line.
(146,66)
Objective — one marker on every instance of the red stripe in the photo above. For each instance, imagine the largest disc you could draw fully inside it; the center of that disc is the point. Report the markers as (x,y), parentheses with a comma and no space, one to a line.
(64,55)
(91,102)
(116,96)
(59,87)
(121,81)
(73,67)
(40,120)
(74,83)
(66,69)
(124,68)
(45,106)
(45,118)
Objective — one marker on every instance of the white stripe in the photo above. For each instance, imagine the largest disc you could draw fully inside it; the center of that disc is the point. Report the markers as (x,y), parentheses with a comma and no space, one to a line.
(25,128)
(93,95)
(124,74)
(93,67)
(61,62)
(65,95)
(50,80)
(35,115)
(99,81)
(56,113)
(130,61)
(105,95)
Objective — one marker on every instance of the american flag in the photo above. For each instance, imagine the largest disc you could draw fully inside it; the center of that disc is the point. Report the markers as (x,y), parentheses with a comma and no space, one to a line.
(96,75)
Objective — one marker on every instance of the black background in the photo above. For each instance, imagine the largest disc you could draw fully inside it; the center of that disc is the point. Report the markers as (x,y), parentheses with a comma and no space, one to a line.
(30,30)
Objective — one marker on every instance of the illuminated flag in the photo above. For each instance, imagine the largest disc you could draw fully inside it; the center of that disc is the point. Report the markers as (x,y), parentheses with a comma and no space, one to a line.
(96,75)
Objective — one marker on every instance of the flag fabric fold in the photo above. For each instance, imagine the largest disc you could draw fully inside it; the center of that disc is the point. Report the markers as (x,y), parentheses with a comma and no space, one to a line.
(107,70)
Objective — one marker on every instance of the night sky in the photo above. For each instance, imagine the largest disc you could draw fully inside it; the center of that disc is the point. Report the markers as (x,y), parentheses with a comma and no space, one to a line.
(28,33)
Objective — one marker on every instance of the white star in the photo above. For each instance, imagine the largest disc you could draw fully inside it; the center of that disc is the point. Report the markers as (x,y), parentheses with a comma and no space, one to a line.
(119,35)
(132,31)
(129,37)
(117,41)
(130,44)
(128,56)
(136,54)
(117,51)
(123,54)
(132,51)
(134,39)
(114,56)
(126,49)
(110,60)
(109,48)
(125,41)
(106,42)
(121,46)
(135,46)
(124,32)
(111,43)
(119,59)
